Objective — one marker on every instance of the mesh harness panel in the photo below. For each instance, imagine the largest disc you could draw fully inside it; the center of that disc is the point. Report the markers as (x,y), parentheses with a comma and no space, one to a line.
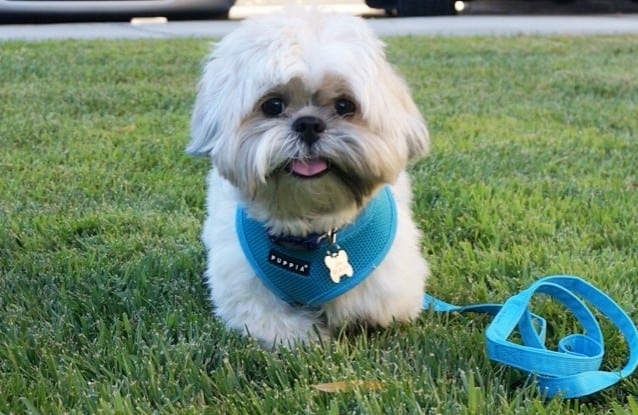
(299,276)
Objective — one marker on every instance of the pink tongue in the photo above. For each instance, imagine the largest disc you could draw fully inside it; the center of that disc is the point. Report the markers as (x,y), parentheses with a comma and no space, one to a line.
(308,168)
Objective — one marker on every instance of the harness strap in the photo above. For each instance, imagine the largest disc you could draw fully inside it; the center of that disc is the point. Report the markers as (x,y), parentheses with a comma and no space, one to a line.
(574,369)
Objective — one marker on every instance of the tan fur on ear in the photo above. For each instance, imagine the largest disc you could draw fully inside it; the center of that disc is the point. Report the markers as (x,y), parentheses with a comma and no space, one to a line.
(417,134)
(404,112)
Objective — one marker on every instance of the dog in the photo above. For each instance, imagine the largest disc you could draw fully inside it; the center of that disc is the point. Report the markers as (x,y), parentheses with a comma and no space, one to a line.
(309,130)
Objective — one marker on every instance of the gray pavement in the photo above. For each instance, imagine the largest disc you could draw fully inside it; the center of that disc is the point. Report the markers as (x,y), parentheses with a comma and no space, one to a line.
(481,17)
(432,26)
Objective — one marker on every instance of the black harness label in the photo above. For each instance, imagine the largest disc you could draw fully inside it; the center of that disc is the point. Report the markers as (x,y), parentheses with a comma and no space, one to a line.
(288,263)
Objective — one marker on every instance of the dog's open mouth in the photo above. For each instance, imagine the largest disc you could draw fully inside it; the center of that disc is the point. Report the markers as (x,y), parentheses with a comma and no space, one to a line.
(308,168)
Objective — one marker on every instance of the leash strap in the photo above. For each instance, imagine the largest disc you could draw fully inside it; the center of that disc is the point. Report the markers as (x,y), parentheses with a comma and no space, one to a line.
(574,369)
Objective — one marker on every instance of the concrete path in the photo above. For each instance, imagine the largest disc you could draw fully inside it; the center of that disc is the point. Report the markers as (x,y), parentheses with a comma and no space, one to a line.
(445,26)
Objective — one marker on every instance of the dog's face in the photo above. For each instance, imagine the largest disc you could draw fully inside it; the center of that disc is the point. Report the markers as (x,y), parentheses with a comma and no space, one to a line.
(305,117)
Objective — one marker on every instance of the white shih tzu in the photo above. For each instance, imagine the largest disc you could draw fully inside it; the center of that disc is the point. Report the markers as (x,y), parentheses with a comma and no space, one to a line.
(309,131)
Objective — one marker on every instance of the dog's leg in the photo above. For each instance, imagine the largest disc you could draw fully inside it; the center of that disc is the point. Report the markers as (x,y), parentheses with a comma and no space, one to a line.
(245,305)
(394,291)
(240,299)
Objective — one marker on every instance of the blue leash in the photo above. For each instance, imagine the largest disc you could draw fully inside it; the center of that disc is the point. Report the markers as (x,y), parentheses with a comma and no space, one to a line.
(574,369)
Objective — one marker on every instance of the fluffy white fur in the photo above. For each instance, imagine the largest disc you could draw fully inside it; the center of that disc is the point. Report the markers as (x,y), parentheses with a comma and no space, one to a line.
(309,61)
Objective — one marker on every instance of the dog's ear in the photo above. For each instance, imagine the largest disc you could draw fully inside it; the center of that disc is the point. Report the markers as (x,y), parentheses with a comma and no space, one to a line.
(225,93)
(409,120)
(391,109)
(417,134)
(217,105)
(205,129)
(414,130)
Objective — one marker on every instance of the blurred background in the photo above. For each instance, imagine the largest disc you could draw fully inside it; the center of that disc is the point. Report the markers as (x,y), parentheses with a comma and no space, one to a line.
(45,11)
(245,8)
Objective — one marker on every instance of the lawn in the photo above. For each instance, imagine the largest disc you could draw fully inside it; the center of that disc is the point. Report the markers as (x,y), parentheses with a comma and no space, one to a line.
(534,171)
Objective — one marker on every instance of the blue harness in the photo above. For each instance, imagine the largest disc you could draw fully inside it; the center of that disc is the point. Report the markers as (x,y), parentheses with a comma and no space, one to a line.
(299,276)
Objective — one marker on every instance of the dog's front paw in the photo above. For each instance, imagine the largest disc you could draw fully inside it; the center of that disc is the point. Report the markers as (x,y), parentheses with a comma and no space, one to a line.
(279,326)
(292,339)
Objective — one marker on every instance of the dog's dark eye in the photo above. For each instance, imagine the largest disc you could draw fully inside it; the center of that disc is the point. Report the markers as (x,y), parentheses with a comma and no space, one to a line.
(344,107)
(273,106)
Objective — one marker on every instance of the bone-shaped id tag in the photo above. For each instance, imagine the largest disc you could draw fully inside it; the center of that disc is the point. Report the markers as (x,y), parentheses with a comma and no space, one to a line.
(336,260)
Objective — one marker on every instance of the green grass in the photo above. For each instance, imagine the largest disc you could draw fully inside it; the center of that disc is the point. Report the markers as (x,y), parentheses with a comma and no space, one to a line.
(534,171)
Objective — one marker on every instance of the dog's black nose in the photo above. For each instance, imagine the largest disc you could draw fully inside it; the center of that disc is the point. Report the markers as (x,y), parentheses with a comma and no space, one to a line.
(309,128)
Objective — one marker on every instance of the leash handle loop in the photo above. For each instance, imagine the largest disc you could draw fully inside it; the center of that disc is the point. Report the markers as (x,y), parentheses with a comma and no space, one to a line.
(573,369)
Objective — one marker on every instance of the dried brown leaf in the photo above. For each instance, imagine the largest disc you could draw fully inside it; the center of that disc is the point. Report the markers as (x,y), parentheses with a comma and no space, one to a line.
(125,128)
(348,385)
